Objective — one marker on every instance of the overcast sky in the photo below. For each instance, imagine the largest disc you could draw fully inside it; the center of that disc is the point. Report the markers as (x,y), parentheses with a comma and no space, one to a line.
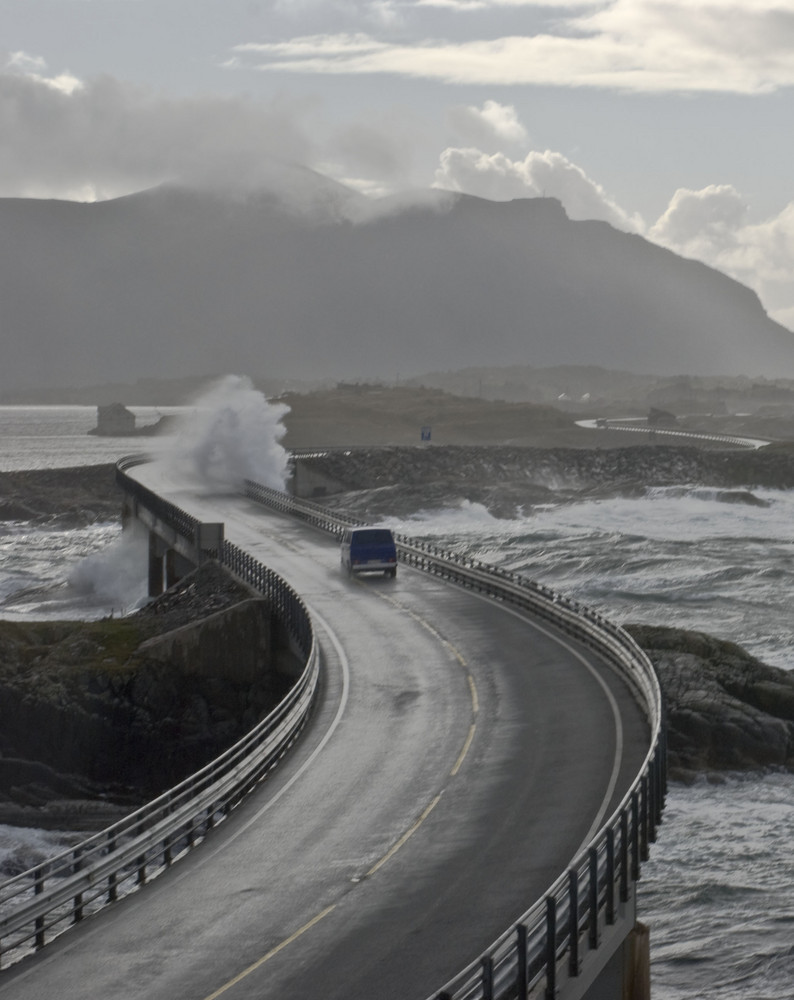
(671,118)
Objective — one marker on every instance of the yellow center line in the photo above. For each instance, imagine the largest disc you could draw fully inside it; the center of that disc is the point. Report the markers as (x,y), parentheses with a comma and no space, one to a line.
(408,833)
(475,701)
(273,951)
(464,751)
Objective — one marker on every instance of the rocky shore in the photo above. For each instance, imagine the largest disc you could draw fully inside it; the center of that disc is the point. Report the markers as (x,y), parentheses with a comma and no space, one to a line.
(97,717)
(505,479)
(726,711)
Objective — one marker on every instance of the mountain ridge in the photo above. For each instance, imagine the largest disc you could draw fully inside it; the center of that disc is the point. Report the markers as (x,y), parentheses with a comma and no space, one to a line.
(173,282)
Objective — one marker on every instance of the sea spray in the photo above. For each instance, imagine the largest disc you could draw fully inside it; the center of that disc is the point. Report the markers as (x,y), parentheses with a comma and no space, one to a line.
(117,575)
(232,433)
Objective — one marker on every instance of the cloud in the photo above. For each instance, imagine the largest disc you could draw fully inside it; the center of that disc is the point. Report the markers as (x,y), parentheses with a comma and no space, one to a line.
(466,6)
(497,177)
(25,63)
(696,220)
(103,138)
(712,225)
(492,123)
(34,68)
(628,45)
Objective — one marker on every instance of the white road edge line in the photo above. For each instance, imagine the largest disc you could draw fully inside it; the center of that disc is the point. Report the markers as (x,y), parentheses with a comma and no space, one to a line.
(610,699)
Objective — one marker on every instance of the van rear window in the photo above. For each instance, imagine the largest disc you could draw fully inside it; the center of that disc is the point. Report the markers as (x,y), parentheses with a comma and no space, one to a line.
(373,536)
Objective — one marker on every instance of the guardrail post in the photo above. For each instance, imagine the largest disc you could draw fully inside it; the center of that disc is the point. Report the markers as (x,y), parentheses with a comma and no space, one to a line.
(551,948)
(635,838)
(624,856)
(653,792)
(167,858)
(594,937)
(610,886)
(522,979)
(574,965)
(644,810)
(487,978)
(112,890)
(38,889)
(77,911)
(661,753)
(141,860)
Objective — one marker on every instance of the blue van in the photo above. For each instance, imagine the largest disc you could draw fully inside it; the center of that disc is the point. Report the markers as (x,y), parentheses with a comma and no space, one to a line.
(369,550)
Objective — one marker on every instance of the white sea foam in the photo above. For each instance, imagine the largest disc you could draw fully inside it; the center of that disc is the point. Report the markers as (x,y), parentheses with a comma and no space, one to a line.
(22,848)
(232,433)
(677,556)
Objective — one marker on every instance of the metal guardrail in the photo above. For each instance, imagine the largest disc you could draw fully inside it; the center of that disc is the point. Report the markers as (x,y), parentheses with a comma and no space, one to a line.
(552,940)
(616,424)
(560,935)
(42,902)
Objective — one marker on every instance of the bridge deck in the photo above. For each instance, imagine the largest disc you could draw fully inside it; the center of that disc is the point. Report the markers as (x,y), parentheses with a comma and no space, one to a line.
(458,760)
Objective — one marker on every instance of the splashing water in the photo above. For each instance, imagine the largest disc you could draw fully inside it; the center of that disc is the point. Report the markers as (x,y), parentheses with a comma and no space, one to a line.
(115,575)
(234,433)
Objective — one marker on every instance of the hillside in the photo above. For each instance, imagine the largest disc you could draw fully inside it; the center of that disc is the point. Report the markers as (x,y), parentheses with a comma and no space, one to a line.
(173,284)
(377,415)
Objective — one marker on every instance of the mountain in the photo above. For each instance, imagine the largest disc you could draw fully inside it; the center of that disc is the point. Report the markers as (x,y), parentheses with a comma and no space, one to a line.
(173,283)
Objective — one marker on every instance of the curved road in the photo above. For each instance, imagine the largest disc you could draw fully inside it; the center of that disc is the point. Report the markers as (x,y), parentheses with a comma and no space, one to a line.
(459,757)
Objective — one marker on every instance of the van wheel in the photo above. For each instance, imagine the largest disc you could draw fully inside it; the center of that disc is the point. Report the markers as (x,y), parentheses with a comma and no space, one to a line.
(392,572)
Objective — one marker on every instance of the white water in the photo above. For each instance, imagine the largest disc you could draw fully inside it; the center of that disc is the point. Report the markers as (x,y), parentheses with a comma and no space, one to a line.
(718,892)
(232,433)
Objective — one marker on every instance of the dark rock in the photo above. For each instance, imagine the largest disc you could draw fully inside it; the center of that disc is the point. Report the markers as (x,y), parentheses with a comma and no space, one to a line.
(119,710)
(726,710)
(372,482)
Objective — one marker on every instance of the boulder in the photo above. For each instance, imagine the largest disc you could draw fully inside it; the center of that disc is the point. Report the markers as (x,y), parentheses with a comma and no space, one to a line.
(726,710)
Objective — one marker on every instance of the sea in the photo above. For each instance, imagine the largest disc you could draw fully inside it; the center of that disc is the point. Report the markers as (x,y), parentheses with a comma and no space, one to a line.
(718,891)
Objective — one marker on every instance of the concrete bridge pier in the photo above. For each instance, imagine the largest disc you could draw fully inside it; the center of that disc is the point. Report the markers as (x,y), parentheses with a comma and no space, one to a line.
(172,555)
(156,556)
(166,565)
(169,563)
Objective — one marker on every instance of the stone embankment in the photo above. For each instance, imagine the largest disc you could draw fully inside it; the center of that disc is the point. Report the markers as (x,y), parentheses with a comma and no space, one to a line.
(98,716)
(397,480)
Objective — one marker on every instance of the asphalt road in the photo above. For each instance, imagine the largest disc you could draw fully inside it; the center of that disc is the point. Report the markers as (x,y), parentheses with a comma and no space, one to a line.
(459,757)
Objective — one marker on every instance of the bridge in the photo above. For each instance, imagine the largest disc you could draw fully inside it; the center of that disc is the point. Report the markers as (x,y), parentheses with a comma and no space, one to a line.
(475,773)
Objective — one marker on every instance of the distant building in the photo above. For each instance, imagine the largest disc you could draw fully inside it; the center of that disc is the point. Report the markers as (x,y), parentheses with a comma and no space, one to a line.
(114,420)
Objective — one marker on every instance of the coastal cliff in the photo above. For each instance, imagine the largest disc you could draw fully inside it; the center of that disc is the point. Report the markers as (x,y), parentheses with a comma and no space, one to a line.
(98,716)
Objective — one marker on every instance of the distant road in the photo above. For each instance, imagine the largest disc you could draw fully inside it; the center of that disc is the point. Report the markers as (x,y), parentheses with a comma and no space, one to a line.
(458,760)
(639,425)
